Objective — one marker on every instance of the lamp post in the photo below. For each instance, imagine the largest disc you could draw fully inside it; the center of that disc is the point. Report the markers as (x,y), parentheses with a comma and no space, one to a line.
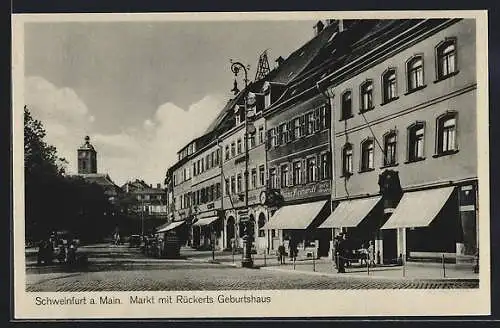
(247,242)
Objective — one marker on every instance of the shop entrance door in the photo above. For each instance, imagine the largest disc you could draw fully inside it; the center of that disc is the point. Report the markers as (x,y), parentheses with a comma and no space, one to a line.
(390,246)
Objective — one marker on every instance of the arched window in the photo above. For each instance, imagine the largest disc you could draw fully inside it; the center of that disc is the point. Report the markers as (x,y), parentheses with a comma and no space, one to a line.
(415,69)
(416,134)
(367,155)
(446,59)
(447,134)
(389,85)
(347,160)
(366,96)
(390,144)
(346,106)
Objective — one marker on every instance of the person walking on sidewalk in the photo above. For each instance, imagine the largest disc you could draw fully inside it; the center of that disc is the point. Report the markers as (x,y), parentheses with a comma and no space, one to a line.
(371,254)
(341,254)
(281,254)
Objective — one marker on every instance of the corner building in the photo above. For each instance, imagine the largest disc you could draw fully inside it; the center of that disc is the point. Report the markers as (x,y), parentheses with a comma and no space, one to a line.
(405,140)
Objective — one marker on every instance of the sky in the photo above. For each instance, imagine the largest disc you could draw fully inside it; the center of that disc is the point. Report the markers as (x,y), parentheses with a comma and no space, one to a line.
(141,90)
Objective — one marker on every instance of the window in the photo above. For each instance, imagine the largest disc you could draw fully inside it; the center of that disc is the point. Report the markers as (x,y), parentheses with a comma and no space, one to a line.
(212,159)
(282,134)
(290,126)
(274,139)
(309,118)
(202,165)
(228,190)
(238,183)
(261,134)
(217,157)
(233,185)
(251,140)
(317,120)
(366,96)
(239,146)
(324,118)
(296,127)
(325,166)
(227,152)
(389,85)
(272,178)
(347,160)
(217,190)
(207,161)
(212,192)
(446,59)
(390,149)
(297,173)
(346,106)
(415,73)
(254,178)
(203,196)
(311,169)
(447,132)
(367,155)
(194,169)
(233,149)
(262,175)
(416,142)
(284,175)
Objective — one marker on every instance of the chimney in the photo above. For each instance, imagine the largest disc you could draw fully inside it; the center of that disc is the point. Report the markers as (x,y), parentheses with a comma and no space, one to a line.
(279,61)
(318,27)
(158,185)
(341,25)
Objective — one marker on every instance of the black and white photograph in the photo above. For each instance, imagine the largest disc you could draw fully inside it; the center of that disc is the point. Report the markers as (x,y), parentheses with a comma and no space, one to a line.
(239,164)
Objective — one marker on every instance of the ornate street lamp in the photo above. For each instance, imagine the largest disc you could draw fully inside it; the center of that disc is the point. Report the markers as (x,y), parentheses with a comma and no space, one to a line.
(247,242)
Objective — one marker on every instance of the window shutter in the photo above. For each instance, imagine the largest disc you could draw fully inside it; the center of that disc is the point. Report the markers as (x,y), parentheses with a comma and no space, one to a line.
(268,141)
(302,125)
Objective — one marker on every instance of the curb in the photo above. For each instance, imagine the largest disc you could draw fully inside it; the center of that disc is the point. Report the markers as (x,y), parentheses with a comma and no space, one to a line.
(358,276)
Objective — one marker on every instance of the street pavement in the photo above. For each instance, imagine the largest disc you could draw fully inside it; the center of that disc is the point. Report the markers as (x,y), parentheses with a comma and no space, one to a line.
(120,268)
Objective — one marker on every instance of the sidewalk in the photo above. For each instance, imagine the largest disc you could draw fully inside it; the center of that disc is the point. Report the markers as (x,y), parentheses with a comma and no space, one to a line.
(324,266)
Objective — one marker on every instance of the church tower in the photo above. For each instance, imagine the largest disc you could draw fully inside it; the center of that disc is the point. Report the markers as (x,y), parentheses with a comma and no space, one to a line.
(87,158)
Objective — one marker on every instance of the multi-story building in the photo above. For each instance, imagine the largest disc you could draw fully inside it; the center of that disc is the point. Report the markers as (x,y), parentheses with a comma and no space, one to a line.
(405,139)
(146,199)
(299,153)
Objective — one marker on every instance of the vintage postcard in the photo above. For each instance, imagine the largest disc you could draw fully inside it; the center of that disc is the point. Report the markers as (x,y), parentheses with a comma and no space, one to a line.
(201,165)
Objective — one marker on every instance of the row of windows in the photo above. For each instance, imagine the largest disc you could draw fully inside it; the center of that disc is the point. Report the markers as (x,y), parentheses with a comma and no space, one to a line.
(206,163)
(303,125)
(446,143)
(148,197)
(446,60)
(200,196)
(311,169)
(235,184)
(237,146)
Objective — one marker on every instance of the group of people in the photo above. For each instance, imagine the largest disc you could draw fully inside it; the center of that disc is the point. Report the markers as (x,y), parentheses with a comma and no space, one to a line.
(293,251)
(56,248)
(344,253)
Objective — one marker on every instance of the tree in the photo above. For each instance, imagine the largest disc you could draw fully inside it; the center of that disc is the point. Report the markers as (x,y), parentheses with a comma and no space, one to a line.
(54,201)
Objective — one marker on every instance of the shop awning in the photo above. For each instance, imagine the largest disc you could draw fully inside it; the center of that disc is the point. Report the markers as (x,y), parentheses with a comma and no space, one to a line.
(418,208)
(350,213)
(171,226)
(295,216)
(205,221)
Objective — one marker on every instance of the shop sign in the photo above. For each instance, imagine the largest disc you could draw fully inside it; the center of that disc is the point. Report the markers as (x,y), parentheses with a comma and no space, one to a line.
(306,191)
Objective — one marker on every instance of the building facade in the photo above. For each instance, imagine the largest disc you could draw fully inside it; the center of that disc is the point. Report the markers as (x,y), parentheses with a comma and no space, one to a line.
(405,141)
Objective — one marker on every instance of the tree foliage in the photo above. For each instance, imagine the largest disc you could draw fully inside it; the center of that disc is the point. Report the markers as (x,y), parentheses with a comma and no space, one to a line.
(54,201)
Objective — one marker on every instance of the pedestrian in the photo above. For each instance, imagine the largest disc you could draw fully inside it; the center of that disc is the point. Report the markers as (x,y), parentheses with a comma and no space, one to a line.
(281,254)
(371,254)
(363,252)
(336,242)
(341,253)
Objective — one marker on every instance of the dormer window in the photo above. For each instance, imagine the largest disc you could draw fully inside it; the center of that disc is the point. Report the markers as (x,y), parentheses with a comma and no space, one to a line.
(266,89)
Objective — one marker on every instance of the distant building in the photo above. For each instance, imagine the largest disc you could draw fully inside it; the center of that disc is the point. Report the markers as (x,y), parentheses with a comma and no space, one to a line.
(87,169)
(145,198)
